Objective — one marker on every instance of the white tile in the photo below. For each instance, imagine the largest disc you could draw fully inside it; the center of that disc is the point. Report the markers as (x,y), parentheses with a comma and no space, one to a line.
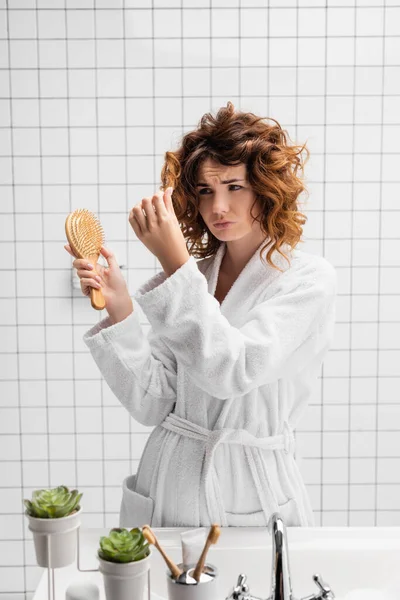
(90,473)
(369,21)
(31,339)
(311,470)
(88,420)
(167,23)
(52,54)
(82,112)
(335,444)
(11,502)
(139,53)
(33,420)
(389,442)
(82,83)
(111,140)
(361,518)
(9,475)
(115,472)
(35,475)
(10,579)
(340,21)
(334,497)
(362,417)
(88,445)
(62,473)
(9,420)
(92,499)
(389,335)
(364,336)
(365,252)
(362,444)
(368,80)
(116,446)
(366,196)
(388,470)
(138,23)
(310,111)
(388,363)
(60,392)
(51,24)
(335,470)
(308,444)
(61,420)
(62,447)
(110,53)
(33,393)
(81,54)
(22,24)
(34,447)
(388,497)
(32,365)
(109,23)
(339,79)
(80,24)
(9,394)
(11,526)
(369,50)
(84,170)
(113,497)
(339,110)
(389,389)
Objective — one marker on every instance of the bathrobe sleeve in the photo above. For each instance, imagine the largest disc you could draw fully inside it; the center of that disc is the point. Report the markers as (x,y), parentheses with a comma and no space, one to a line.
(280,336)
(140,370)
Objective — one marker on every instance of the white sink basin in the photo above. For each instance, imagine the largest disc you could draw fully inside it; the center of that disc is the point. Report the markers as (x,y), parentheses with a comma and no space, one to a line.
(347,558)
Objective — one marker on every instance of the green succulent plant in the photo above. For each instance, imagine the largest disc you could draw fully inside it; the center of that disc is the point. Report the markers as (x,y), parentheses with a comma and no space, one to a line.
(53,503)
(123,546)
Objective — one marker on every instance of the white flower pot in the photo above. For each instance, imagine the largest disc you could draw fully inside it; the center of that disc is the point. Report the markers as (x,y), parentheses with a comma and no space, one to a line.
(61,542)
(125,581)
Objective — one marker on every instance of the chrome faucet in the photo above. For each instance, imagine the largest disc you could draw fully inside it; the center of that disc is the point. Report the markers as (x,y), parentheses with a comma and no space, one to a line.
(281,588)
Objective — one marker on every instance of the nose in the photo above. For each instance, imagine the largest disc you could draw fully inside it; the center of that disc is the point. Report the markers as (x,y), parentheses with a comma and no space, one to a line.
(220,203)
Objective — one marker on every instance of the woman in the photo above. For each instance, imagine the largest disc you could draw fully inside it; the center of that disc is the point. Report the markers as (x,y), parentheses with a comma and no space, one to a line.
(235,345)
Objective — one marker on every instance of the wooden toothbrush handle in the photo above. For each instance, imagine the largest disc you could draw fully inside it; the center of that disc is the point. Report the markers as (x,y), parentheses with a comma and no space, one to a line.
(200,563)
(175,570)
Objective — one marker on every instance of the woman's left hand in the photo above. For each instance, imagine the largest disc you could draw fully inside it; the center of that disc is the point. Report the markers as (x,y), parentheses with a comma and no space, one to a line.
(159,229)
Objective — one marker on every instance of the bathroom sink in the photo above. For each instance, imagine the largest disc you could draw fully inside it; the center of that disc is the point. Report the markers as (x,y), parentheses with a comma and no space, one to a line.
(347,558)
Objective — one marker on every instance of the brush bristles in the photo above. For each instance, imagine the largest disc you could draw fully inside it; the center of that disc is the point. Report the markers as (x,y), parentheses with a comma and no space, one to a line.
(86,231)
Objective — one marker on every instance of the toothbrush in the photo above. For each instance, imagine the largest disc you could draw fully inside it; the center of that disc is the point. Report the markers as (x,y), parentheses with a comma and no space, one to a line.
(151,538)
(212,538)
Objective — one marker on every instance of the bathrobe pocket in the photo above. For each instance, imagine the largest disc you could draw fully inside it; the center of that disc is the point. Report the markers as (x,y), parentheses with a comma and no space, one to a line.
(287,510)
(136,509)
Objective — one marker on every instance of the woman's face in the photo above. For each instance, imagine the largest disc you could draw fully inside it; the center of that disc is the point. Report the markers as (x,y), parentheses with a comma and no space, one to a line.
(219,200)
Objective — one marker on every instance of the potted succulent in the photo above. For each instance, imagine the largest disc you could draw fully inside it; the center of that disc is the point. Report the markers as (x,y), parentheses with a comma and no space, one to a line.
(124,558)
(54,516)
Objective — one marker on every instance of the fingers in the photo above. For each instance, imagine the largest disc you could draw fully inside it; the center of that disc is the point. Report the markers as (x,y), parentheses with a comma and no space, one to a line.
(89,282)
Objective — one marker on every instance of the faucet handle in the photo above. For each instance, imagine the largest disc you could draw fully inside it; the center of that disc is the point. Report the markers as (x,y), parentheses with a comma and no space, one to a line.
(241,590)
(325,592)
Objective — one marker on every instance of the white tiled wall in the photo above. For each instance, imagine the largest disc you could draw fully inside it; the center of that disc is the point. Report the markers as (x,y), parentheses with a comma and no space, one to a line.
(92,93)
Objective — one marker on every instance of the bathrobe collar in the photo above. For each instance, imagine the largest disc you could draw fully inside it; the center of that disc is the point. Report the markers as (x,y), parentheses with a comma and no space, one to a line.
(253,273)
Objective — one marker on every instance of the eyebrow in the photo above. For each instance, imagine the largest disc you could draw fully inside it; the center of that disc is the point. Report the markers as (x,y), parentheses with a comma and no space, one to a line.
(226,181)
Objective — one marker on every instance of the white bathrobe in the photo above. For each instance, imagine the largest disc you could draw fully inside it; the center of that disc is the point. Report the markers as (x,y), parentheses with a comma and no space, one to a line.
(225,386)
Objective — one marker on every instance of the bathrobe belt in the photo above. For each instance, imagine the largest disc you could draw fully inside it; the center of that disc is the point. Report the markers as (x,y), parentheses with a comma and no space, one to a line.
(212,439)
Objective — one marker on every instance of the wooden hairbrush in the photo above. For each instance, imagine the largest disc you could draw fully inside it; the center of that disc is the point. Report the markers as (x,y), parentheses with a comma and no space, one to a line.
(86,237)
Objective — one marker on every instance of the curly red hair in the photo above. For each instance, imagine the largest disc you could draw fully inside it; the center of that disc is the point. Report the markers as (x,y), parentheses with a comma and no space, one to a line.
(230,138)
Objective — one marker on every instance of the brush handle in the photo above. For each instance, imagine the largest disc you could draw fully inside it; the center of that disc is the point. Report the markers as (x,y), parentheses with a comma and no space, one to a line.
(175,570)
(97,299)
(200,563)
(96,295)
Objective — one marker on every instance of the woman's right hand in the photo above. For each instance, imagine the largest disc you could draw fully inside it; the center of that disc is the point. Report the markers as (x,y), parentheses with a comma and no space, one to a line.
(112,282)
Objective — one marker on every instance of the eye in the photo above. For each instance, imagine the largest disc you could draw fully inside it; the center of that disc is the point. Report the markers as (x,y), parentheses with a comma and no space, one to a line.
(239,187)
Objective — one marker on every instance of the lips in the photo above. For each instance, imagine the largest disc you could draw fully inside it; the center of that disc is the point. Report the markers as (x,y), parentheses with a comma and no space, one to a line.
(223,222)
